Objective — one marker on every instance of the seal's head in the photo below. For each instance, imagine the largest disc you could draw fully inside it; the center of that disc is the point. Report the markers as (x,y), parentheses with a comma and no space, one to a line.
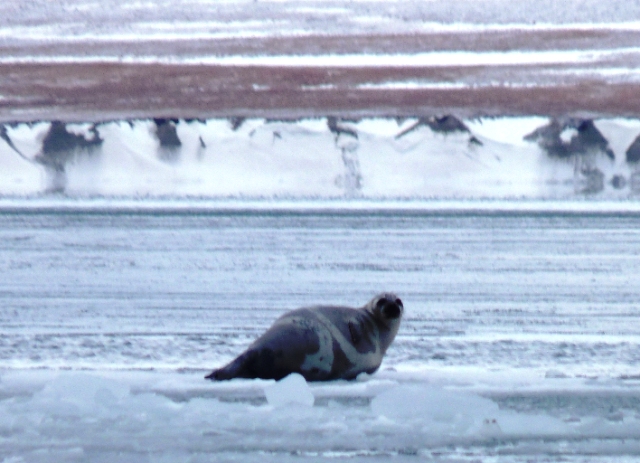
(387,309)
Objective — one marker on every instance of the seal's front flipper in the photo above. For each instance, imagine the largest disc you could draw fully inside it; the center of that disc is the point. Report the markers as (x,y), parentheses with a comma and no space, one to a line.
(356,333)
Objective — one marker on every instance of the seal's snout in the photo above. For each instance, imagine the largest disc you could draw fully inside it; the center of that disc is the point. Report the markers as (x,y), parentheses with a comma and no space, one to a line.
(391,308)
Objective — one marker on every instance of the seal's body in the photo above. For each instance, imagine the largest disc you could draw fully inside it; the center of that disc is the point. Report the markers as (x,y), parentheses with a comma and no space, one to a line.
(321,343)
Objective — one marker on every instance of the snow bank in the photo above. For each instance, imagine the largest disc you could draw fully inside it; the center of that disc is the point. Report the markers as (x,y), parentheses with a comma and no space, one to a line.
(90,417)
(325,158)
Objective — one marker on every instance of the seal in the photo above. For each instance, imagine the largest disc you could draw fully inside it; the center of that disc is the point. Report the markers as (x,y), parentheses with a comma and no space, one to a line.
(321,343)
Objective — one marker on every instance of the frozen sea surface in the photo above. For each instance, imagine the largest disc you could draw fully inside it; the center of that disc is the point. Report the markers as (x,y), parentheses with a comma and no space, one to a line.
(520,343)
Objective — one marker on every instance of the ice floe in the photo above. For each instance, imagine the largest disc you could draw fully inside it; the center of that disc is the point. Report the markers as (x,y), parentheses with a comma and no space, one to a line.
(89,416)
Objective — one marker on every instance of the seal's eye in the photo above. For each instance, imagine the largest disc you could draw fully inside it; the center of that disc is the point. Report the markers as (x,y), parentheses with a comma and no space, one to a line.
(392,310)
(381,303)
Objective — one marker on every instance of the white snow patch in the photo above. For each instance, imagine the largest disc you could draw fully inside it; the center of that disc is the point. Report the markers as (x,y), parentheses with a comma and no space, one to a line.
(428,59)
(28,138)
(620,133)
(416,85)
(506,130)
(19,174)
(567,134)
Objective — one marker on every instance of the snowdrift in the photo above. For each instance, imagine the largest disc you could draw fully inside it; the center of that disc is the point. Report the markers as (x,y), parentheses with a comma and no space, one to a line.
(325,158)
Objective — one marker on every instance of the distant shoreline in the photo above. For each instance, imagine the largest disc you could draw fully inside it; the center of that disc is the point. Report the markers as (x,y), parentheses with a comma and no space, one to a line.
(466,70)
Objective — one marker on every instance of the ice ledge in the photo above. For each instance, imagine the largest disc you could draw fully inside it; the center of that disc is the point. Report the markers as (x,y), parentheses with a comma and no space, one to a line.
(189,206)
